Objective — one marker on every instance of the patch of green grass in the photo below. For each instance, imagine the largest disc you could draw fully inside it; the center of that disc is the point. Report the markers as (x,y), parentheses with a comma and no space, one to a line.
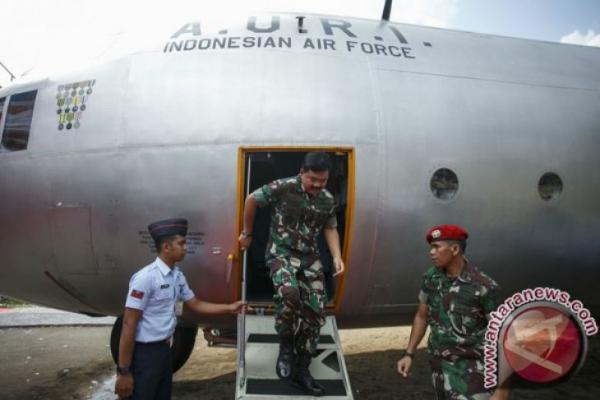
(7,302)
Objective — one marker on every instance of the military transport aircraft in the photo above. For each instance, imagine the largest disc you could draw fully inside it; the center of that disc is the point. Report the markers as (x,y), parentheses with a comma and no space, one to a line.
(425,126)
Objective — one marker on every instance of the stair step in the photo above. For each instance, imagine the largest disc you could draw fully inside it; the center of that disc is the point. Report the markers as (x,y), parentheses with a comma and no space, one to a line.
(256,377)
(277,387)
(273,338)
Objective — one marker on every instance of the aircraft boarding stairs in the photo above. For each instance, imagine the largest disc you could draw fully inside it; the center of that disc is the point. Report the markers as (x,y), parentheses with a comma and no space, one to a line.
(258,348)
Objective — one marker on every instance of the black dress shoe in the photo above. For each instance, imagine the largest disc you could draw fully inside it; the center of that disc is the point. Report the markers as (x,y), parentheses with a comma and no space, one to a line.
(307,383)
(285,361)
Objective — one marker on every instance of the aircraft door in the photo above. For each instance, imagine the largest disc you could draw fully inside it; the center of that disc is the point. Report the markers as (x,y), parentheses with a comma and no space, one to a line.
(261,166)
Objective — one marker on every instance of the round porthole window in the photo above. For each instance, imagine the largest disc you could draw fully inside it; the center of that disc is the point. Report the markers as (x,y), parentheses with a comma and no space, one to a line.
(550,186)
(444,184)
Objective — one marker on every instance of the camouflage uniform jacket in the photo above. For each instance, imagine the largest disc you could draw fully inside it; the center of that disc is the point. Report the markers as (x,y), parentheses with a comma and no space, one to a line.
(458,310)
(297,219)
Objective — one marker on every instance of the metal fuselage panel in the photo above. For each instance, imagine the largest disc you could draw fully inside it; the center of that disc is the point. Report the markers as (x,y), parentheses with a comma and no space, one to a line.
(162,129)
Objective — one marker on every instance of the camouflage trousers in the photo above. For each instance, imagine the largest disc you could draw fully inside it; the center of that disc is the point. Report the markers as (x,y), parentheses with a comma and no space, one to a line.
(299,301)
(458,380)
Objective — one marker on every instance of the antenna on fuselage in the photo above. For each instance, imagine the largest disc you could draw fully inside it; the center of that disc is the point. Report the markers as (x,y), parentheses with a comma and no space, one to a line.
(12,76)
(387,9)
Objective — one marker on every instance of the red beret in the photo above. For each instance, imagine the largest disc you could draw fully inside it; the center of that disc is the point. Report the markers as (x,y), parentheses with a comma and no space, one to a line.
(446,232)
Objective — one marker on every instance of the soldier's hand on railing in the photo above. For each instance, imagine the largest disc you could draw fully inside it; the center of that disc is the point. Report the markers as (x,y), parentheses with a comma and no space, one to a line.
(245,241)
(338,263)
(236,307)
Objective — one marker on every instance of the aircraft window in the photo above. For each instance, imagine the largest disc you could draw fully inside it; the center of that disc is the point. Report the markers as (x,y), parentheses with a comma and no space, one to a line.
(18,121)
(1,112)
(1,107)
(550,186)
(444,184)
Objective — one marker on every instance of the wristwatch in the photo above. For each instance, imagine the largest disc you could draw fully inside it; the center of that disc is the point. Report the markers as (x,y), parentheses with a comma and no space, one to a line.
(407,353)
(246,234)
(124,370)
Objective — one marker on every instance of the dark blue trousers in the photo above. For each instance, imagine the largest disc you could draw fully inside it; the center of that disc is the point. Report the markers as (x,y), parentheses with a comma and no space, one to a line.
(152,371)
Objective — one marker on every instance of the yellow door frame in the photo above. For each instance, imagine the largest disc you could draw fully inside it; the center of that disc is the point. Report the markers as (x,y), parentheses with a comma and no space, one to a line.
(241,180)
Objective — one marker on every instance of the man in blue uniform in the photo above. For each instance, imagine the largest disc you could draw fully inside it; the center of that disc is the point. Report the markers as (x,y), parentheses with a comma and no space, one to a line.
(144,367)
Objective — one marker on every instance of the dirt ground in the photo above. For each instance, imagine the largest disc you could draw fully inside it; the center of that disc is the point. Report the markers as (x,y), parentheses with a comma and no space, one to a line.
(371,356)
(70,363)
(53,363)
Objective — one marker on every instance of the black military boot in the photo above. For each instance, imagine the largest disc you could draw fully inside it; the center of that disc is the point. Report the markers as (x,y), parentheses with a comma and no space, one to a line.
(304,379)
(285,360)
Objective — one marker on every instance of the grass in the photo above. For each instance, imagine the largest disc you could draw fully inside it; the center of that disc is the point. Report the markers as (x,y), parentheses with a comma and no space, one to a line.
(7,302)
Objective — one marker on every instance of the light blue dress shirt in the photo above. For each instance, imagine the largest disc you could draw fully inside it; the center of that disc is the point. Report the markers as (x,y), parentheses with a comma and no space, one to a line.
(155,289)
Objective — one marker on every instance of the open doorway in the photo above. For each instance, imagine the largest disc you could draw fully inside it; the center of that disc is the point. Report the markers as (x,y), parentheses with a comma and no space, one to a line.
(260,166)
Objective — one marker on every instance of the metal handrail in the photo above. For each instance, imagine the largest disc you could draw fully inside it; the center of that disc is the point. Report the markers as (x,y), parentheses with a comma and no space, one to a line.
(242,317)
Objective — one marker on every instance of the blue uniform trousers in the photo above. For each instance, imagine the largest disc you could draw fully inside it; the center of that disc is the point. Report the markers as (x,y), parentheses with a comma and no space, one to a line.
(152,371)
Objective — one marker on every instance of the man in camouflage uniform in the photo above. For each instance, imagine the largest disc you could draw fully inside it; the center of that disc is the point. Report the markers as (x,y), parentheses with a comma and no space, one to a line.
(301,208)
(455,301)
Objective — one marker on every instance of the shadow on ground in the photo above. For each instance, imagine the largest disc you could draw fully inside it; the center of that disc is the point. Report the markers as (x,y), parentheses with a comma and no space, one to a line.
(373,376)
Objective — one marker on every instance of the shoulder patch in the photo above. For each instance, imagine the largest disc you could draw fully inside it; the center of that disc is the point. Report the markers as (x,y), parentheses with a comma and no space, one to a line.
(327,194)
